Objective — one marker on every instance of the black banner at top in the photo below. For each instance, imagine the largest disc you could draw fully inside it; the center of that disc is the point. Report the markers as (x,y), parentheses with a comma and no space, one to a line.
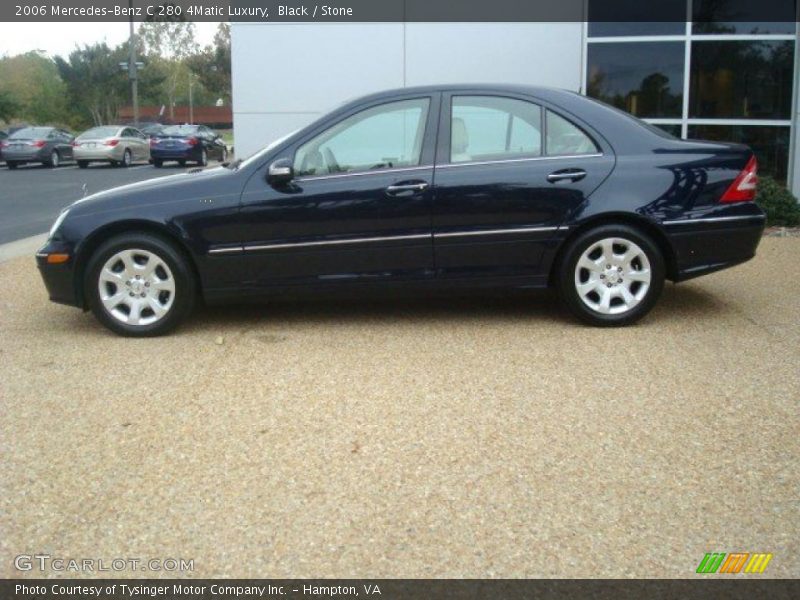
(364,11)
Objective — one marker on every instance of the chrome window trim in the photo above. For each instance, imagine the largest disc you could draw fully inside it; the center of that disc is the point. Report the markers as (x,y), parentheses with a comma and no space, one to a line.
(714,219)
(362,173)
(449,234)
(229,250)
(517,160)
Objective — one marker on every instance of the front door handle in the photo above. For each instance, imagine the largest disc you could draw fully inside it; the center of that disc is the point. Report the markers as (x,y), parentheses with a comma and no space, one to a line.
(406,188)
(566,175)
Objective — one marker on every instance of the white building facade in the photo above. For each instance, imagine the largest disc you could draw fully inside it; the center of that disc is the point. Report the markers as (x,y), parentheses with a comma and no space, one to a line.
(737,82)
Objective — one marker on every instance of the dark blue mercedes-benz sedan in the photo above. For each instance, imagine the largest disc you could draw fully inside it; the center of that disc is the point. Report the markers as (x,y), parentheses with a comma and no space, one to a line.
(451,186)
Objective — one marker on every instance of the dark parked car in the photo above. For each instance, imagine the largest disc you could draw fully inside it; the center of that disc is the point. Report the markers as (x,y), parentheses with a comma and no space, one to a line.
(149,128)
(182,143)
(3,136)
(455,187)
(47,145)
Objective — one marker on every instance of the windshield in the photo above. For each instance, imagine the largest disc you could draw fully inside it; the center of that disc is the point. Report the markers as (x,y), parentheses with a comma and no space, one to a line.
(100,132)
(179,130)
(257,155)
(31,132)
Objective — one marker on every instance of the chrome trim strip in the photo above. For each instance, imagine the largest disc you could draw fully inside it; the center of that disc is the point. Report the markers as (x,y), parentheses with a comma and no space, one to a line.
(714,219)
(225,250)
(388,238)
(515,160)
(448,234)
(42,255)
(363,173)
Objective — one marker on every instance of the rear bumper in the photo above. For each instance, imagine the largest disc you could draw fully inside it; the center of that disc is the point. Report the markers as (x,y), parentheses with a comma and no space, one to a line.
(34,156)
(175,154)
(705,245)
(114,153)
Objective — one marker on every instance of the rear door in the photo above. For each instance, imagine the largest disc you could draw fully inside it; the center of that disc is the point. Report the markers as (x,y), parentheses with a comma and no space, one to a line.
(509,170)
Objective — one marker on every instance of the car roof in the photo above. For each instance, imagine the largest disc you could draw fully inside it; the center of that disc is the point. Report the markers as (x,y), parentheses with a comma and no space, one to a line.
(529,90)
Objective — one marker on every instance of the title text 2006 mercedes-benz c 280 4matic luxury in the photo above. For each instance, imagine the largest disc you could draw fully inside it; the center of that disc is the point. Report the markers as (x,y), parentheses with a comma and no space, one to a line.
(452,186)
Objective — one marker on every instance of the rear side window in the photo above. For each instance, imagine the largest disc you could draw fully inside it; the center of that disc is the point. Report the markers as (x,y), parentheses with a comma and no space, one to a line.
(494,128)
(565,138)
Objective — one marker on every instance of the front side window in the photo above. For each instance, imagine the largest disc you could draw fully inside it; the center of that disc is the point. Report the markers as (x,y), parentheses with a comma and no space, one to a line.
(382,137)
(565,138)
(494,128)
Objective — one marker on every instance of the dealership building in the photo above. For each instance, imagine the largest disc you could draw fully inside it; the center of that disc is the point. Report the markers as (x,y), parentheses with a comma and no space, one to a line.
(695,72)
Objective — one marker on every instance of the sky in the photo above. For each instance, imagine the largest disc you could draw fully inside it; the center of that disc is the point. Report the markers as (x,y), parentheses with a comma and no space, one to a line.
(61,38)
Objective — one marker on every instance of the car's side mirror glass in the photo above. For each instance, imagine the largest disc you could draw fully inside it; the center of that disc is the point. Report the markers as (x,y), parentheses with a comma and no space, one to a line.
(280,172)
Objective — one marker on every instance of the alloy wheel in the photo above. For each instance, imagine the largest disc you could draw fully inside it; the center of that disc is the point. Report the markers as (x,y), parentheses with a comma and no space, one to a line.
(54,159)
(136,287)
(612,276)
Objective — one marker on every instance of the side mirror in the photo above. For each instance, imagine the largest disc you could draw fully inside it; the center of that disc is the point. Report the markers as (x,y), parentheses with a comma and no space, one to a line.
(280,172)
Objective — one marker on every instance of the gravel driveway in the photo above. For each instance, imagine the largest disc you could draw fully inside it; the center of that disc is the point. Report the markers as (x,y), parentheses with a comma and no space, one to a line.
(439,438)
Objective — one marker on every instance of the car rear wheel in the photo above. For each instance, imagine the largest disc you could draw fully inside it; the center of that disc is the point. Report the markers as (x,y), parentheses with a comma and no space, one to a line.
(611,275)
(11,165)
(157,163)
(139,285)
(224,156)
(182,162)
(203,158)
(126,158)
(54,161)
(82,164)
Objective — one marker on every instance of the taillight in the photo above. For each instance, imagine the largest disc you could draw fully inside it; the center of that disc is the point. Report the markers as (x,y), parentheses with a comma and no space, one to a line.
(192,141)
(111,142)
(39,143)
(4,145)
(743,188)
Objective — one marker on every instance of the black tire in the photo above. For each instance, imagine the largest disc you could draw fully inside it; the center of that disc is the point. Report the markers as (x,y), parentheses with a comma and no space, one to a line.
(158,163)
(566,276)
(224,156)
(182,162)
(82,164)
(184,280)
(11,165)
(127,159)
(55,160)
(203,162)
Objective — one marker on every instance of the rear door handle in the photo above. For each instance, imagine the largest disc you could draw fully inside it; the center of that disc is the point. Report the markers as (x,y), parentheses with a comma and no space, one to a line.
(406,188)
(566,175)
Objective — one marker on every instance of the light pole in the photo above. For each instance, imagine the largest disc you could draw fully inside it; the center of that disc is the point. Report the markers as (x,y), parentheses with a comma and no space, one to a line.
(191,100)
(132,67)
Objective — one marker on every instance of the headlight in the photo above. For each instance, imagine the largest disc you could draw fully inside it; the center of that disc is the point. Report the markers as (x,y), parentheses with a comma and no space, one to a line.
(58,222)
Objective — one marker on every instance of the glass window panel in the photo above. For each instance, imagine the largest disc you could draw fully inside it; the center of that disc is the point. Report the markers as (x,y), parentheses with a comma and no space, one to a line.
(770,144)
(565,138)
(642,78)
(492,128)
(634,17)
(741,79)
(743,16)
(670,128)
(382,137)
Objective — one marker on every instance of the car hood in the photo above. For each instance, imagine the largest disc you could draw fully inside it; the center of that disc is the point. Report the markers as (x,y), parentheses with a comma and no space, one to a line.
(159,190)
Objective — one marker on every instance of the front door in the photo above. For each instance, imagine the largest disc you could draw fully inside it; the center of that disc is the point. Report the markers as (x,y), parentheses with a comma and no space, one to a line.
(508,172)
(359,206)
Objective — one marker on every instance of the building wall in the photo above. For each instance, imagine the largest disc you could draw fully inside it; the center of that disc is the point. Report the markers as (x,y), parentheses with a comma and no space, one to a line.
(287,74)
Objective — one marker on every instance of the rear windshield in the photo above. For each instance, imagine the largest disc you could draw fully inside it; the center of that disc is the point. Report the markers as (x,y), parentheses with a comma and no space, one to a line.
(657,130)
(179,130)
(29,133)
(100,132)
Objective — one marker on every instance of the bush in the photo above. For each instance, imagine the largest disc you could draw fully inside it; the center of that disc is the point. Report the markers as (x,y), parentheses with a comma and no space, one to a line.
(778,202)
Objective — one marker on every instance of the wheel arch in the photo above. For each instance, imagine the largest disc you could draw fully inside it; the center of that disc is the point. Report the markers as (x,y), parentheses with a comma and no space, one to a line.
(100,235)
(622,218)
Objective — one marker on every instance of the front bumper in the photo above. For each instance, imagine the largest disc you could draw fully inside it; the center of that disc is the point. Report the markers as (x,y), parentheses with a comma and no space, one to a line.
(705,245)
(59,278)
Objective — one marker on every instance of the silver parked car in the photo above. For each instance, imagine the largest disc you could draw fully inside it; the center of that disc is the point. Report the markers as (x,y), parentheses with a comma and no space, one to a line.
(115,144)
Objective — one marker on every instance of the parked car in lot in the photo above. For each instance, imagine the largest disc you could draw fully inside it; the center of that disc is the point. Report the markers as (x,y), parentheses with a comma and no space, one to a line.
(187,143)
(452,187)
(47,145)
(114,144)
(150,128)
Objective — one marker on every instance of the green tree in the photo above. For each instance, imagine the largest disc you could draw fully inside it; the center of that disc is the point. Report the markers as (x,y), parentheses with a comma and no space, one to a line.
(212,65)
(33,83)
(9,107)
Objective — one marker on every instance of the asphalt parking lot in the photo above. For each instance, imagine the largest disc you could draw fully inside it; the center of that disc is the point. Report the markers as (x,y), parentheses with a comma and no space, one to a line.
(468,437)
(32,196)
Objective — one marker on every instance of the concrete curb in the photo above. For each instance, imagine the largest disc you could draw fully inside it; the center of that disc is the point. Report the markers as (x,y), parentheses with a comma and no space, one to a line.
(24,247)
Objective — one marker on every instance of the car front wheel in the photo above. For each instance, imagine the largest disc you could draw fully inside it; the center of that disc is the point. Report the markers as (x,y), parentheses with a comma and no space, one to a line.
(138,284)
(611,275)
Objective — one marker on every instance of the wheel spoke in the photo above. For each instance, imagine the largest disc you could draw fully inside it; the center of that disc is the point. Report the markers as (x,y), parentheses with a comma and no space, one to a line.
(135,314)
(154,305)
(605,301)
(628,298)
(643,275)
